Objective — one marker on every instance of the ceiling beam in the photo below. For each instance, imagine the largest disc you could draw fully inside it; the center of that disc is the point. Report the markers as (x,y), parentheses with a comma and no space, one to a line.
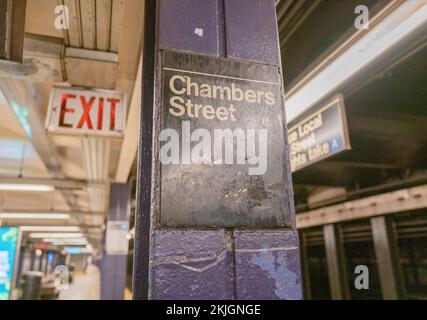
(130,43)
(46,59)
(24,98)
(299,21)
(364,165)
(382,204)
(130,140)
(89,54)
(96,154)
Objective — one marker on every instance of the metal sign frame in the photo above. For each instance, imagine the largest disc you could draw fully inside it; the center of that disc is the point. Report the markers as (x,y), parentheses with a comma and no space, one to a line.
(250,219)
(337,99)
(55,130)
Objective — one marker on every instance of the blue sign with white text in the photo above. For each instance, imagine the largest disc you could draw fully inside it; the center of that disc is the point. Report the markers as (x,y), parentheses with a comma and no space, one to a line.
(318,134)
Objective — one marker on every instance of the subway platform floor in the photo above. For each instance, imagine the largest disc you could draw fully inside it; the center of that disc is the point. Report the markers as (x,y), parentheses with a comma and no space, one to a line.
(85,286)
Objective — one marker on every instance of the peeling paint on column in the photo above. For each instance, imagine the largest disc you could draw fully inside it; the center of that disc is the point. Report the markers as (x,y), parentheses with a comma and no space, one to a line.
(252,32)
(276,267)
(267,265)
(189,264)
(179,21)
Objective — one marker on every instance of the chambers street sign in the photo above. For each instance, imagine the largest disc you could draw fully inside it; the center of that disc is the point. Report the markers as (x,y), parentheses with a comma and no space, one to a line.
(318,135)
(221,144)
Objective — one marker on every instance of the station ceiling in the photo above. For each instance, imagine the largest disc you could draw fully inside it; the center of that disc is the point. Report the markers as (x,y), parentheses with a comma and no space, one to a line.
(385,103)
(102,50)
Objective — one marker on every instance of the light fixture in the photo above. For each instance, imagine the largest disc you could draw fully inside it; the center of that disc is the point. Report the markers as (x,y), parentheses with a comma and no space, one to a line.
(25,187)
(49,229)
(38,216)
(81,239)
(67,242)
(56,235)
(396,26)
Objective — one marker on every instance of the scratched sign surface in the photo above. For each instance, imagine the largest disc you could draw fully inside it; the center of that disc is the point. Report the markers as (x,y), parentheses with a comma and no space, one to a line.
(221,144)
(86,112)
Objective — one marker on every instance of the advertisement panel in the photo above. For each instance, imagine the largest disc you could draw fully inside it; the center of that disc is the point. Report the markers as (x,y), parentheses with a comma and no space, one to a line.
(9,238)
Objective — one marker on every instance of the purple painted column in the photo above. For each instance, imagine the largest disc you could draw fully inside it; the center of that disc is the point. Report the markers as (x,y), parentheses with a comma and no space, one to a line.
(113,265)
(218,264)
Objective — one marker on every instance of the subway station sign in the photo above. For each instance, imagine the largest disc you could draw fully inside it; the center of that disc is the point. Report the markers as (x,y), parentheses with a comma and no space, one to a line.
(319,134)
(74,111)
(221,144)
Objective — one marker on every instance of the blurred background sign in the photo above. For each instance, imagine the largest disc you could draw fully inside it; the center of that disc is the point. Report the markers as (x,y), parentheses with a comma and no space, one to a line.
(318,134)
(116,237)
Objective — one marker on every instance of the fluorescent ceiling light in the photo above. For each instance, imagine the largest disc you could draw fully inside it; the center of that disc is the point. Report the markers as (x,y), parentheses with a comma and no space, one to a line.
(66,243)
(41,216)
(50,228)
(25,187)
(382,37)
(66,240)
(56,235)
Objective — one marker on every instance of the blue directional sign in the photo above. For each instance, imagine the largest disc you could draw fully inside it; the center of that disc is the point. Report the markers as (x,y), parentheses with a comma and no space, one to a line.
(318,134)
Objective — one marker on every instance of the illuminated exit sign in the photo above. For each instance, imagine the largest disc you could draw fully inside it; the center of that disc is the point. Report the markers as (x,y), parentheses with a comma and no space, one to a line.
(86,112)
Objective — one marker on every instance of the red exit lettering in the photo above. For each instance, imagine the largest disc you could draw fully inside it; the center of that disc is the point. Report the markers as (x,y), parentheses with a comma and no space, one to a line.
(87,104)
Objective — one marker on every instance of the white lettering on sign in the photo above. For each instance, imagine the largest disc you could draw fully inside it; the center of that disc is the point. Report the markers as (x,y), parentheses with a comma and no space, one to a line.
(85,112)
(319,135)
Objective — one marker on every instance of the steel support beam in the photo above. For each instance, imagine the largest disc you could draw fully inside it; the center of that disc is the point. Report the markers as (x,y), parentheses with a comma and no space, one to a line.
(305,270)
(336,262)
(88,54)
(114,264)
(130,140)
(386,252)
(382,204)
